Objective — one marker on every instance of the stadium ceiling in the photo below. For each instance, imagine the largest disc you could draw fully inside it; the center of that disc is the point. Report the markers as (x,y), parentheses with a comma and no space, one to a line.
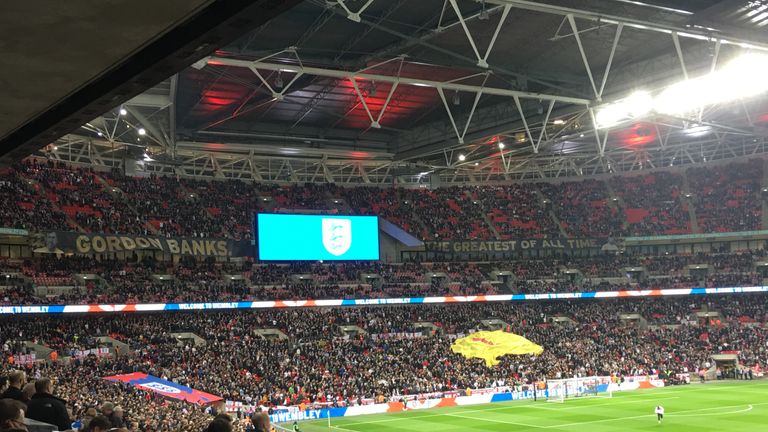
(66,62)
(374,91)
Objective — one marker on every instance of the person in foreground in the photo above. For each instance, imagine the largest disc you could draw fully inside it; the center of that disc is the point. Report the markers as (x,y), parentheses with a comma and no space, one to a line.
(12,416)
(261,422)
(46,407)
(659,413)
(16,381)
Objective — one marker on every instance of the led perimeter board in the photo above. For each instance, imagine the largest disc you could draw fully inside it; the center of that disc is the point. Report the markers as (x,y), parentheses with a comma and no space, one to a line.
(300,237)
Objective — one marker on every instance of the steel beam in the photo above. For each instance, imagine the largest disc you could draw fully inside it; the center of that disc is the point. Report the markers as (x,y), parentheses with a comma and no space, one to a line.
(583,53)
(254,167)
(150,101)
(452,53)
(342,74)
(640,24)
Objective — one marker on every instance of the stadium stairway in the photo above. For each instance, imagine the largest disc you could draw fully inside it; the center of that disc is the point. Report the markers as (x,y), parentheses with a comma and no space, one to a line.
(422,227)
(542,201)
(504,280)
(41,351)
(113,344)
(562,320)
(425,326)
(634,319)
(352,331)
(185,337)
(764,185)
(117,194)
(691,208)
(491,228)
(617,203)
(43,192)
(494,324)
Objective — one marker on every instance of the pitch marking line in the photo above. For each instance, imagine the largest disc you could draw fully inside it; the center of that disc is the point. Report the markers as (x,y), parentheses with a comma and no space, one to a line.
(634,400)
(567,407)
(749,408)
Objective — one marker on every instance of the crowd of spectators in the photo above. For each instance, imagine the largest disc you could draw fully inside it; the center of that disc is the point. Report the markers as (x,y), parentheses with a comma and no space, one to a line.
(48,195)
(318,363)
(60,280)
(585,209)
(23,205)
(653,203)
(727,197)
(515,212)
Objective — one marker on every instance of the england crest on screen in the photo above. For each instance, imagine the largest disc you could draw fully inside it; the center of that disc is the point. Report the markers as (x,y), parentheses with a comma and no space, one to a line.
(337,235)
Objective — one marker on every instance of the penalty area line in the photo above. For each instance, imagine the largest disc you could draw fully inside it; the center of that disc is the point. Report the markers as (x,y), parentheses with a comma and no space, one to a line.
(672,415)
(747,409)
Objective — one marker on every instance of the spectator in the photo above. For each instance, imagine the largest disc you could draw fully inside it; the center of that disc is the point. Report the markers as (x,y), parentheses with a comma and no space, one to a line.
(12,416)
(99,424)
(219,424)
(16,381)
(46,407)
(90,414)
(117,417)
(260,422)
(28,391)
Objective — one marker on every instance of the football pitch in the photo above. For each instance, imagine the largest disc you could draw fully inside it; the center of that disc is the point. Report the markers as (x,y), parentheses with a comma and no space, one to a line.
(717,406)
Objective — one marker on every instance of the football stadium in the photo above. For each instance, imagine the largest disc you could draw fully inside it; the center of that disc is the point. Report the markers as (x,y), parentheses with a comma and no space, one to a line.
(384,215)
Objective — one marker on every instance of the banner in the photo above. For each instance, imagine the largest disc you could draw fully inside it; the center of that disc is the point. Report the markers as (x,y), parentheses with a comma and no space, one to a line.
(490,345)
(508,246)
(273,304)
(165,388)
(81,243)
(24,359)
(98,352)
(14,232)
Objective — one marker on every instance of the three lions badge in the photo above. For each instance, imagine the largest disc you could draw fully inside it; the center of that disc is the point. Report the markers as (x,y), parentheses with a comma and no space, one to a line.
(337,235)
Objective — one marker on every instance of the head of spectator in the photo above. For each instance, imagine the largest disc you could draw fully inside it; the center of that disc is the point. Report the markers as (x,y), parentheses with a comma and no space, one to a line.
(219,407)
(219,425)
(28,391)
(99,424)
(107,408)
(43,386)
(11,416)
(16,381)
(261,422)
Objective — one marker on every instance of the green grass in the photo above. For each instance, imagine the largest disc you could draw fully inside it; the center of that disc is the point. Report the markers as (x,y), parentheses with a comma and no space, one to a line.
(719,406)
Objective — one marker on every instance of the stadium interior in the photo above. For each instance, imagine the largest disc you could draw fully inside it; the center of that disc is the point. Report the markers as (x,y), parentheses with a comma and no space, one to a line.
(287,215)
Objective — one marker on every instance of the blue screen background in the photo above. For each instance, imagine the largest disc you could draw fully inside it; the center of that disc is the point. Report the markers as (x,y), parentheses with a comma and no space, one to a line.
(286,237)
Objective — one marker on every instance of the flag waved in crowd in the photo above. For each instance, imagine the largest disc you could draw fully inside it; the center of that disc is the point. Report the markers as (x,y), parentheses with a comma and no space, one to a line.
(490,345)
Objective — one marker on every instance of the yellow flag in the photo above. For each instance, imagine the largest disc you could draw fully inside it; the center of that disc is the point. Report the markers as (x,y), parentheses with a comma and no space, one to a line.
(489,345)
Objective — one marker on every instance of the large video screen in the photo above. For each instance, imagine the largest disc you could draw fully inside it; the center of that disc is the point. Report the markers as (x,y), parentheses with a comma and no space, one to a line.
(293,237)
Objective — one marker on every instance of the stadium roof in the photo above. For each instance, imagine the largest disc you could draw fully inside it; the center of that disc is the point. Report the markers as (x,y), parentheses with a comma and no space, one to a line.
(66,62)
(379,91)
